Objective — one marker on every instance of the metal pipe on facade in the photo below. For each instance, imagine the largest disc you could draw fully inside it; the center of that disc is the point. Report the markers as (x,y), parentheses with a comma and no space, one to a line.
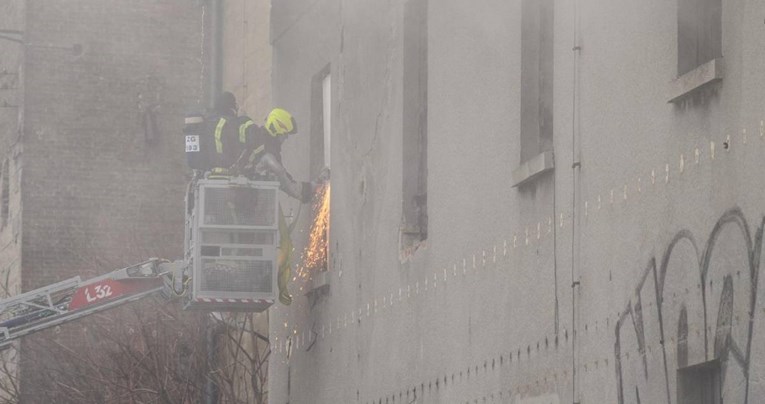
(215,88)
(216,50)
(213,333)
(576,167)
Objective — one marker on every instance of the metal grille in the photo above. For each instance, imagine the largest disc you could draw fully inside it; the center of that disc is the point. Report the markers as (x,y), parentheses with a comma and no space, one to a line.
(240,207)
(265,237)
(226,275)
(234,242)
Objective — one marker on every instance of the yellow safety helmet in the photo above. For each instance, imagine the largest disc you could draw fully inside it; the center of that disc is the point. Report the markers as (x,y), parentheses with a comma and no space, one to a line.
(280,122)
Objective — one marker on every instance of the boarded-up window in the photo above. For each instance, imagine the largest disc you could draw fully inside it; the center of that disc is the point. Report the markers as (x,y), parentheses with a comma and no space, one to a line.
(321,135)
(536,78)
(699,33)
(415,123)
(321,128)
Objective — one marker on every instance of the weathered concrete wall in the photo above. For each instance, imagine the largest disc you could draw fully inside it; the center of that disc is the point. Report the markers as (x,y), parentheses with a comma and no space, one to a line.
(680,234)
(663,217)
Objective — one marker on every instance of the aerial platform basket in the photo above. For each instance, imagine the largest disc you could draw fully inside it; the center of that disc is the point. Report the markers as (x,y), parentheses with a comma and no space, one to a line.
(232,236)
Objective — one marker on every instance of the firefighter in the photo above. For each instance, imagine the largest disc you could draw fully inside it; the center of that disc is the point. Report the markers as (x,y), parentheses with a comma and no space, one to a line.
(222,140)
(263,155)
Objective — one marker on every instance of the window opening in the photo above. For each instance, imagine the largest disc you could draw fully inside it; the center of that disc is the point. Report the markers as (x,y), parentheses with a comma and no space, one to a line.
(699,33)
(536,78)
(316,255)
(415,124)
(699,384)
(321,124)
(326,92)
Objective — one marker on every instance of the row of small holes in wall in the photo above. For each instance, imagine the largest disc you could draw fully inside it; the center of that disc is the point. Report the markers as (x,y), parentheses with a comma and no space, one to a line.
(411,395)
(475,264)
(528,237)
(642,184)
(548,382)
(598,365)
(304,338)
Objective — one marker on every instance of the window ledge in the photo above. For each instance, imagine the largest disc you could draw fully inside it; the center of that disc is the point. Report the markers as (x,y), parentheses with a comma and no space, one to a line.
(709,72)
(319,283)
(533,168)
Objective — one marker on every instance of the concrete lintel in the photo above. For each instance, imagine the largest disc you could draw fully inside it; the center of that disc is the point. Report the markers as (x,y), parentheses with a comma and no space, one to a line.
(533,168)
(701,76)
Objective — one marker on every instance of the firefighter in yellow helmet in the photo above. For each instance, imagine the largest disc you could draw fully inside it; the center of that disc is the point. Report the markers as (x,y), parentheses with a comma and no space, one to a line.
(280,123)
(264,157)
(217,149)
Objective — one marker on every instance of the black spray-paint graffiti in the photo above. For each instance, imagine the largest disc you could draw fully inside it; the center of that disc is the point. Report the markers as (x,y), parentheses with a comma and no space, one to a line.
(680,317)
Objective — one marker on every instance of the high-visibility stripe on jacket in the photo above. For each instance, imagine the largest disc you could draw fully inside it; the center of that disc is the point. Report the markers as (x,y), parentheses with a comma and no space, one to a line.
(243,130)
(253,142)
(219,173)
(218,134)
(256,152)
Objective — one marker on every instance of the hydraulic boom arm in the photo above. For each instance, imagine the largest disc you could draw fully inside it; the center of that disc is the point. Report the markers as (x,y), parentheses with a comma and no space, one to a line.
(73,298)
(232,235)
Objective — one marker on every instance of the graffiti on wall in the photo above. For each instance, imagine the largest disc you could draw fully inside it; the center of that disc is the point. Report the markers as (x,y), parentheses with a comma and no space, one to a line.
(693,306)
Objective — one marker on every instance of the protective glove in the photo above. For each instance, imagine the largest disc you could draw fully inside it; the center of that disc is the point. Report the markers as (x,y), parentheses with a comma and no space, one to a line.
(307,191)
(323,175)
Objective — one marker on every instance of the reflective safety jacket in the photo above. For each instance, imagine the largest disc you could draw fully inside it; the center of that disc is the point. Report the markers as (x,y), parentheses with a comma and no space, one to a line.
(264,151)
(224,147)
(219,141)
(257,141)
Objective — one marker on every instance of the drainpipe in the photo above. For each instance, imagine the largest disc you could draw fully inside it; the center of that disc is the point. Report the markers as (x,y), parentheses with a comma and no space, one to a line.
(212,338)
(575,180)
(211,390)
(216,50)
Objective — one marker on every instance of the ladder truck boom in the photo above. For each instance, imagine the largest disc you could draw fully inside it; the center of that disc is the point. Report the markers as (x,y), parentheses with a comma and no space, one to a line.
(74,298)
(230,264)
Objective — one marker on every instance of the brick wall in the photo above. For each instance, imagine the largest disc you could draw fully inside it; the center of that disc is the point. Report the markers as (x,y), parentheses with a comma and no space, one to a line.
(10,231)
(10,98)
(98,190)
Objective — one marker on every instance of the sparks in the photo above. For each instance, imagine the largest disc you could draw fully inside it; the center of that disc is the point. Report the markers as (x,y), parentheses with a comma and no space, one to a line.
(315,253)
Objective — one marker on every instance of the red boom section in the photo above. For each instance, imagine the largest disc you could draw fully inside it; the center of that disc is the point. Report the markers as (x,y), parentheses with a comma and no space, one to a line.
(106,290)
(73,298)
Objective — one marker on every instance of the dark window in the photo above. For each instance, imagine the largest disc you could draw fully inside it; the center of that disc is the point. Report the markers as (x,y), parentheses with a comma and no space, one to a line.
(699,33)
(320,120)
(536,78)
(699,384)
(321,134)
(415,123)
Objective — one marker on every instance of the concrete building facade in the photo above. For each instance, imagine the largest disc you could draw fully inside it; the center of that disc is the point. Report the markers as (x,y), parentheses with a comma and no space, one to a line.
(93,168)
(532,201)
